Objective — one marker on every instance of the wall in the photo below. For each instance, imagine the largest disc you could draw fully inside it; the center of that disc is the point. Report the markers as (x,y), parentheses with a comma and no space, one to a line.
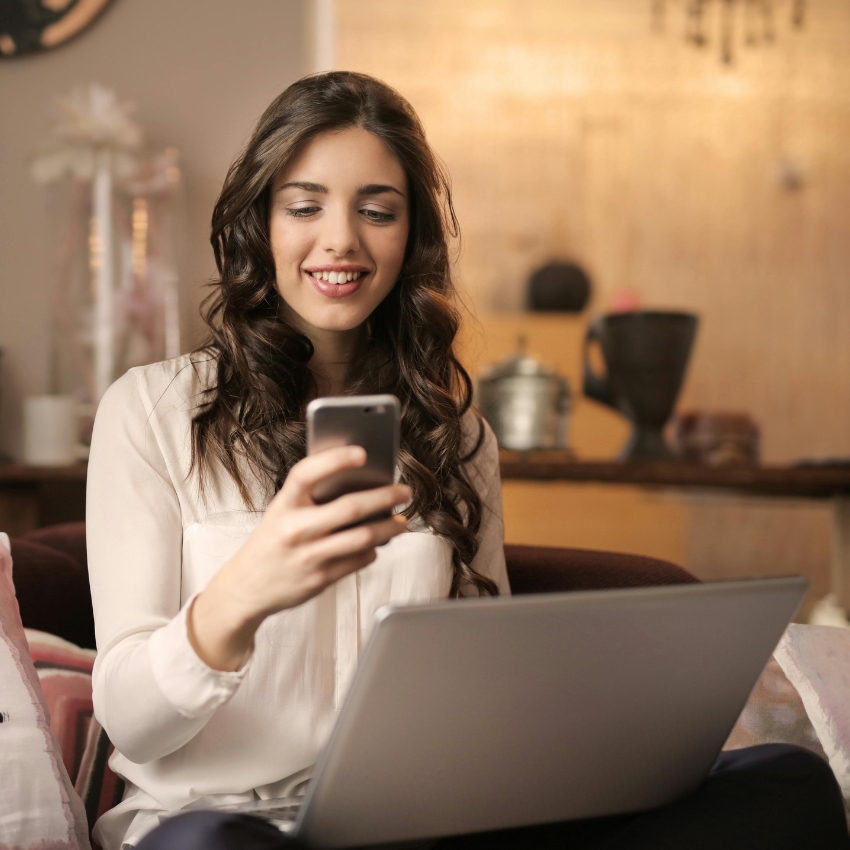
(200,73)
(572,129)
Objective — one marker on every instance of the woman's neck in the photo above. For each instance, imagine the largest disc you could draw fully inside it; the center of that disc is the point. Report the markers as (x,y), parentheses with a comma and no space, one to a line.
(334,353)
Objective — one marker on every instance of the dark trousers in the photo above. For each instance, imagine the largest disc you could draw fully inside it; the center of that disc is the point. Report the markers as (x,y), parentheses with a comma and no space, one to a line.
(773,797)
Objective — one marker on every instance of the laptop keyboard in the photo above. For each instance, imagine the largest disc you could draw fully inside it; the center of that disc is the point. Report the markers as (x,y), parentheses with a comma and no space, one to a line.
(280,812)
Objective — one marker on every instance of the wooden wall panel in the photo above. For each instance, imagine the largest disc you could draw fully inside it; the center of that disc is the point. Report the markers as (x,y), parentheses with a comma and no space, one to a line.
(571,129)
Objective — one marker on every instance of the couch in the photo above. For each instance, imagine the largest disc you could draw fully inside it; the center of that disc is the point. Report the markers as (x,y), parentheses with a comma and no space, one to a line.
(51,576)
(51,585)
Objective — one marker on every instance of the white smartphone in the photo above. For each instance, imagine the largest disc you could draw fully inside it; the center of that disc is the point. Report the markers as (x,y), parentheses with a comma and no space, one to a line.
(370,421)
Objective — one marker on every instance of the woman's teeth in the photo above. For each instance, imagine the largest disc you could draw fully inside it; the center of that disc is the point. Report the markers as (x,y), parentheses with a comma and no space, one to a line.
(336,277)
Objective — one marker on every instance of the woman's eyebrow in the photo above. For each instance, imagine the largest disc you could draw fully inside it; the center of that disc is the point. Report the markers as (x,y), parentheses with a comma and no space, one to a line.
(377,189)
(307,187)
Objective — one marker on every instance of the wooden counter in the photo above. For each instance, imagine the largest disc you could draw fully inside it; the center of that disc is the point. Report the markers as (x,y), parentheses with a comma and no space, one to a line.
(804,482)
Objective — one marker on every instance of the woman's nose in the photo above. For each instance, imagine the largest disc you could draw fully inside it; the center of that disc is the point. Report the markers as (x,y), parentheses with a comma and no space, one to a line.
(339,234)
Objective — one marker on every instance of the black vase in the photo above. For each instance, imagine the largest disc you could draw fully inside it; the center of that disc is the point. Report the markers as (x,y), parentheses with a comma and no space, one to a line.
(646,355)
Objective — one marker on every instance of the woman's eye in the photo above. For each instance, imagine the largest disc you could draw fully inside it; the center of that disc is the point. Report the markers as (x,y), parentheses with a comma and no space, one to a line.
(378,217)
(302,212)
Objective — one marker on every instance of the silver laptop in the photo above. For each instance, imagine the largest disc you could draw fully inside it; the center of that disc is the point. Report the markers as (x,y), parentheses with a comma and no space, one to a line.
(474,715)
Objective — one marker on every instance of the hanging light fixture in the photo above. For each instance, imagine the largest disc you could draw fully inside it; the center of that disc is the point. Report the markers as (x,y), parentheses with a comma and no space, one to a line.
(722,21)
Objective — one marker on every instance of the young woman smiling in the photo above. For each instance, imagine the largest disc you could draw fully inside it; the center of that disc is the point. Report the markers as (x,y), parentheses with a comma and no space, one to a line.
(230,608)
(230,611)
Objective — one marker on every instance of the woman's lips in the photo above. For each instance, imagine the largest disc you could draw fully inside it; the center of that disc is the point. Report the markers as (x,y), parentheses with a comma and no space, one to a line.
(336,290)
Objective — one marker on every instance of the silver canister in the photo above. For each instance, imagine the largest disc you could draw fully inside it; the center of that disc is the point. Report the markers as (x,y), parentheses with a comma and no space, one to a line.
(526,403)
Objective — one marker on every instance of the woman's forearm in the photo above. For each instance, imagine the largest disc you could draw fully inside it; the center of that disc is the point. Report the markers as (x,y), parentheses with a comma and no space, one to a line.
(220,630)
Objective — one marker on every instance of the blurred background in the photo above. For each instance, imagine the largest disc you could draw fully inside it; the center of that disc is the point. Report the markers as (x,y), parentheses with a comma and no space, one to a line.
(686,154)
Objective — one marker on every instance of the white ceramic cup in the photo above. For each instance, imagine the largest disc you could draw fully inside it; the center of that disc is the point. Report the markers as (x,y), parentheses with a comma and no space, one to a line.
(50,430)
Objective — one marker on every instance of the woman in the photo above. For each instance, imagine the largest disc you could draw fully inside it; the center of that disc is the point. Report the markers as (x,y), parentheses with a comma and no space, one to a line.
(230,610)
(229,613)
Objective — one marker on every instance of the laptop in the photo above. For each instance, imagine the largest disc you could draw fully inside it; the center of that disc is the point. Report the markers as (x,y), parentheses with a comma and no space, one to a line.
(482,714)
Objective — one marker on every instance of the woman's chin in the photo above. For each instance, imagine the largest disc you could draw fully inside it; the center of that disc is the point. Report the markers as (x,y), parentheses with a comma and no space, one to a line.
(335,320)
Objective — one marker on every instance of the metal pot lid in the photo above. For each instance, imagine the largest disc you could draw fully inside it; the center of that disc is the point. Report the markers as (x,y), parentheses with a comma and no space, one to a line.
(519,364)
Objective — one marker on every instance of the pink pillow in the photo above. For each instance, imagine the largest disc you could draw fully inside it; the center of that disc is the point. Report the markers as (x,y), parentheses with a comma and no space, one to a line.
(64,670)
(65,673)
(39,808)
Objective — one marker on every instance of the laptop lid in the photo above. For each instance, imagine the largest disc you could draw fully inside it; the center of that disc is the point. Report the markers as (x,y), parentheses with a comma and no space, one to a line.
(473,715)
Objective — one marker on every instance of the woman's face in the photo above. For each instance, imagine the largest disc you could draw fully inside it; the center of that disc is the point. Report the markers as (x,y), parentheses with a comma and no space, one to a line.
(338,228)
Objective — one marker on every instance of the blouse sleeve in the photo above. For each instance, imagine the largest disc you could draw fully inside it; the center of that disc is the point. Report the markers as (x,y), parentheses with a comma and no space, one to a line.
(484,472)
(151,692)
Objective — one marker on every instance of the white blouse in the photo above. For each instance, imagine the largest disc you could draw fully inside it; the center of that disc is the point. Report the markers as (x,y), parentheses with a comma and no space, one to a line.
(186,735)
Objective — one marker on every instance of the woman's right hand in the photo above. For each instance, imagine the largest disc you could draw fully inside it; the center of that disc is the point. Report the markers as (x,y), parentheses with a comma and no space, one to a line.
(294,554)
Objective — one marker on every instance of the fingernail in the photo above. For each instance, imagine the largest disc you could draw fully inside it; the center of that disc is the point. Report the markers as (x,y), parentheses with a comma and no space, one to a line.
(358,453)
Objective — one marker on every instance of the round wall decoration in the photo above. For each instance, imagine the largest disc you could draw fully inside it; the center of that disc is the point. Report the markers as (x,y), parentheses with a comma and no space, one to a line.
(30,26)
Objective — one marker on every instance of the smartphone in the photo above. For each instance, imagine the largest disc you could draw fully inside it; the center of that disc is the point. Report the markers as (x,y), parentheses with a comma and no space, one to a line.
(370,421)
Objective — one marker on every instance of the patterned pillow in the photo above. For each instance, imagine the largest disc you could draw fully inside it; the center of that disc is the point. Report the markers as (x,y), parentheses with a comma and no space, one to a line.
(64,670)
(774,714)
(817,661)
(39,807)
(100,789)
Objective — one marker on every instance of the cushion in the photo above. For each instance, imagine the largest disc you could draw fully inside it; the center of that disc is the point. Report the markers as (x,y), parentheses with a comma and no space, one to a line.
(99,788)
(64,671)
(816,660)
(774,714)
(39,808)
(65,674)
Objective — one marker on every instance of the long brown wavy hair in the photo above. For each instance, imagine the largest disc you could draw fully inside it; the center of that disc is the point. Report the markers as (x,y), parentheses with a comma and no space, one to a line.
(254,413)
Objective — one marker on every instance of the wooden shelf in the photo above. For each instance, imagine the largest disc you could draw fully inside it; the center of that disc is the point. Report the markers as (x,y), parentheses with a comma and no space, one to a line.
(807,482)
(34,496)
(21,473)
